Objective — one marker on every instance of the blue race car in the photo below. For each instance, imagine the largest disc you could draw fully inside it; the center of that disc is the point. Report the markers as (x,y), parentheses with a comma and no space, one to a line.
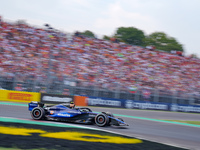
(62,112)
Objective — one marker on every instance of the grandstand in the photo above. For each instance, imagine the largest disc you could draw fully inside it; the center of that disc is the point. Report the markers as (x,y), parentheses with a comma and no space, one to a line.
(43,60)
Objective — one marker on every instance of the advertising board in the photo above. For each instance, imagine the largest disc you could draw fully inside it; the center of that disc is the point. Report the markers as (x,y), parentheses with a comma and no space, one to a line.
(105,102)
(19,96)
(131,104)
(185,108)
(56,99)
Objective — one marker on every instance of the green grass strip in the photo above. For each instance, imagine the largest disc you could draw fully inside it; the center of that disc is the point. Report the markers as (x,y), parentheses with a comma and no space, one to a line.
(3,148)
(186,121)
(159,120)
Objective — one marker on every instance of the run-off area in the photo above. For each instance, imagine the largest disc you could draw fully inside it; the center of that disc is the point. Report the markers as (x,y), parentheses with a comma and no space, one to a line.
(28,136)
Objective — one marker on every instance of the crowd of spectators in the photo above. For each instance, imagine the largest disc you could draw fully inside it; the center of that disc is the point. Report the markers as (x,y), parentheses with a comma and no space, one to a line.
(41,55)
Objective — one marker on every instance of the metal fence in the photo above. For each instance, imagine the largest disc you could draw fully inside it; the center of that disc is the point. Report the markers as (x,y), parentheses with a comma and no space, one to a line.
(60,87)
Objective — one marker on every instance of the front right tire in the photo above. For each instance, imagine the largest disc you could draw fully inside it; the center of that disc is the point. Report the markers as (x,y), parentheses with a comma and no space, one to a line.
(101,120)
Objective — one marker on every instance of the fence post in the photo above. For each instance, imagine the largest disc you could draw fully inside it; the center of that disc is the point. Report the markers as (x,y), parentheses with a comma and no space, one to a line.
(14,83)
(156,95)
(174,97)
(191,100)
(137,95)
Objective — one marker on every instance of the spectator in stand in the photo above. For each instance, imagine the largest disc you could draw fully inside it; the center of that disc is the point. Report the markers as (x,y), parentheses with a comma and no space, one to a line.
(146,94)
(26,51)
(43,90)
(19,87)
(66,92)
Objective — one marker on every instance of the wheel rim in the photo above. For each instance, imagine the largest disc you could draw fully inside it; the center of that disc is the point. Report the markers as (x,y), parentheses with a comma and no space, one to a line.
(100,119)
(37,113)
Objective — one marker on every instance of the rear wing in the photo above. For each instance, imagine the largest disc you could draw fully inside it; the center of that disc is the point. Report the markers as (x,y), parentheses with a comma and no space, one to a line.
(34,104)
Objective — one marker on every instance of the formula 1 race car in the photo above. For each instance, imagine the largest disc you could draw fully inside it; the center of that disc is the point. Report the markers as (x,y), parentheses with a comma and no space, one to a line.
(62,112)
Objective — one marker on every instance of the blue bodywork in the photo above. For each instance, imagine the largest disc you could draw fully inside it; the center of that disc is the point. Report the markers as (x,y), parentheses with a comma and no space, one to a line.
(32,105)
(62,112)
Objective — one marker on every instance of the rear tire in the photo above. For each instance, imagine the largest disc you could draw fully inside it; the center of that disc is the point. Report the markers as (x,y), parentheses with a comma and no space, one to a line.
(101,120)
(37,113)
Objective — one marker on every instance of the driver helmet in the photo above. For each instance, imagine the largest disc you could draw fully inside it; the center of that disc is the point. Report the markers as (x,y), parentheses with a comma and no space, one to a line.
(72,105)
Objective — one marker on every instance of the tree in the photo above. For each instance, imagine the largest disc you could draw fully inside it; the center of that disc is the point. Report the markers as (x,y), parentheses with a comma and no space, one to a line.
(193,56)
(162,42)
(88,33)
(21,21)
(130,35)
(105,37)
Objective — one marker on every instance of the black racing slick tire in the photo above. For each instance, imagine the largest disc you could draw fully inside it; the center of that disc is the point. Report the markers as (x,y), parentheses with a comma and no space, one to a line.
(101,120)
(37,113)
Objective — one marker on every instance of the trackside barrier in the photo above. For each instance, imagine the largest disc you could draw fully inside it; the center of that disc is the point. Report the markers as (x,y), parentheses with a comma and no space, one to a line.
(185,108)
(55,98)
(132,104)
(105,102)
(19,96)
(80,100)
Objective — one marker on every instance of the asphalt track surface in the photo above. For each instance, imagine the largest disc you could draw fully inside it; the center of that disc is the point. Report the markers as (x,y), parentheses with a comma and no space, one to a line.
(139,125)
